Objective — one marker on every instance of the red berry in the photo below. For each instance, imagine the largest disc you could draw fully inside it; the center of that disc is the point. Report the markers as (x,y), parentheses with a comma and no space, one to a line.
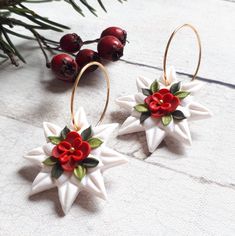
(116,32)
(71,43)
(110,48)
(86,56)
(64,66)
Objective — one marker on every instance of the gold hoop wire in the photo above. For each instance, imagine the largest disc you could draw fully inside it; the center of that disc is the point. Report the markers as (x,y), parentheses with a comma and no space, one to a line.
(168,45)
(76,85)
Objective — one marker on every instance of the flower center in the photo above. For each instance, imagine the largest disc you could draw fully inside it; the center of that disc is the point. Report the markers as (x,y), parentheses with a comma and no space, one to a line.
(72,149)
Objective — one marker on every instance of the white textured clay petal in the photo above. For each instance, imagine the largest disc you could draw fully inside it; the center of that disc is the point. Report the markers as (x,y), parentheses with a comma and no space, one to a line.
(169,128)
(98,167)
(96,152)
(186,101)
(198,111)
(151,122)
(154,137)
(68,192)
(170,74)
(126,102)
(63,178)
(182,132)
(192,86)
(143,82)
(139,97)
(104,131)
(36,156)
(130,125)
(162,84)
(81,119)
(51,129)
(136,114)
(94,184)
(47,148)
(111,158)
(43,181)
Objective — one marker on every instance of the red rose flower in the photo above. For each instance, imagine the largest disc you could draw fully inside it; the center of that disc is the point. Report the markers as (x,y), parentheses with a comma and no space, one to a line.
(71,150)
(162,103)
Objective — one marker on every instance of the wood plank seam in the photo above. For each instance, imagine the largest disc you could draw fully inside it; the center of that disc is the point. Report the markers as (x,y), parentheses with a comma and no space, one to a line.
(232,1)
(200,179)
(232,86)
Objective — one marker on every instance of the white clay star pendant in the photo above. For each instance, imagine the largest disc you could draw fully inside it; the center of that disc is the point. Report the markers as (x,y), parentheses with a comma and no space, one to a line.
(162,111)
(72,164)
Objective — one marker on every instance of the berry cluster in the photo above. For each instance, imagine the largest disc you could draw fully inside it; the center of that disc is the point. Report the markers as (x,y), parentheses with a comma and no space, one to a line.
(110,47)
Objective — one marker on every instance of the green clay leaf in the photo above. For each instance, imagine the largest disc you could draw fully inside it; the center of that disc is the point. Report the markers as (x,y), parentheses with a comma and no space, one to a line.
(90,162)
(56,171)
(50,161)
(178,115)
(166,120)
(64,132)
(86,134)
(144,116)
(141,108)
(154,87)
(54,139)
(182,94)
(175,88)
(146,92)
(79,172)
(94,142)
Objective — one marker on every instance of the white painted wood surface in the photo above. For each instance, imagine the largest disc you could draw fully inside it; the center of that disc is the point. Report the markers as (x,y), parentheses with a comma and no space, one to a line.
(175,191)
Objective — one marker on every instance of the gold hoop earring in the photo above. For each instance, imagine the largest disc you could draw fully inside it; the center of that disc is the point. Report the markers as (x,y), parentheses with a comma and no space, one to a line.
(75,158)
(163,107)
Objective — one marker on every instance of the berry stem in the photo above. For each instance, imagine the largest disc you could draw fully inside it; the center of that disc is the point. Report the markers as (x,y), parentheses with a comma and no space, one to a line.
(91,41)
(57,49)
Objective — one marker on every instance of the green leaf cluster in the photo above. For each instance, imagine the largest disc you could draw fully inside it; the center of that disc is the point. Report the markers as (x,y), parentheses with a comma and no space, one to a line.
(57,139)
(154,87)
(87,136)
(175,90)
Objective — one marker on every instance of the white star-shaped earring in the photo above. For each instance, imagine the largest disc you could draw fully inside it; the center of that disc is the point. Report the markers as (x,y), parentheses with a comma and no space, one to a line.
(152,118)
(70,183)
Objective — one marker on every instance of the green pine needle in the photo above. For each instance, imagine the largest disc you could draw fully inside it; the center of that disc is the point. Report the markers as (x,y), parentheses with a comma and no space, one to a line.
(34,23)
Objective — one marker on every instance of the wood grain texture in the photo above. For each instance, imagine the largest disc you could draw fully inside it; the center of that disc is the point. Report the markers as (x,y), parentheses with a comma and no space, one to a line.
(175,191)
(143,199)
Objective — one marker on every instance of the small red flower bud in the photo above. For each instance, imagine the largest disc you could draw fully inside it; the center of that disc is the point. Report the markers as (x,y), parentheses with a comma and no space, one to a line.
(71,151)
(110,48)
(64,66)
(116,32)
(162,103)
(86,56)
(71,43)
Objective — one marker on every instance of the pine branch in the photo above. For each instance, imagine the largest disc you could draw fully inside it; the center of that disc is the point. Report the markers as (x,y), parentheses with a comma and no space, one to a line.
(36,22)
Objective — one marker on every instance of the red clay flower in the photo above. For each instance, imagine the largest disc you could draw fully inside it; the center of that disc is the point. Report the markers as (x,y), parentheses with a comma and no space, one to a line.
(162,103)
(71,150)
